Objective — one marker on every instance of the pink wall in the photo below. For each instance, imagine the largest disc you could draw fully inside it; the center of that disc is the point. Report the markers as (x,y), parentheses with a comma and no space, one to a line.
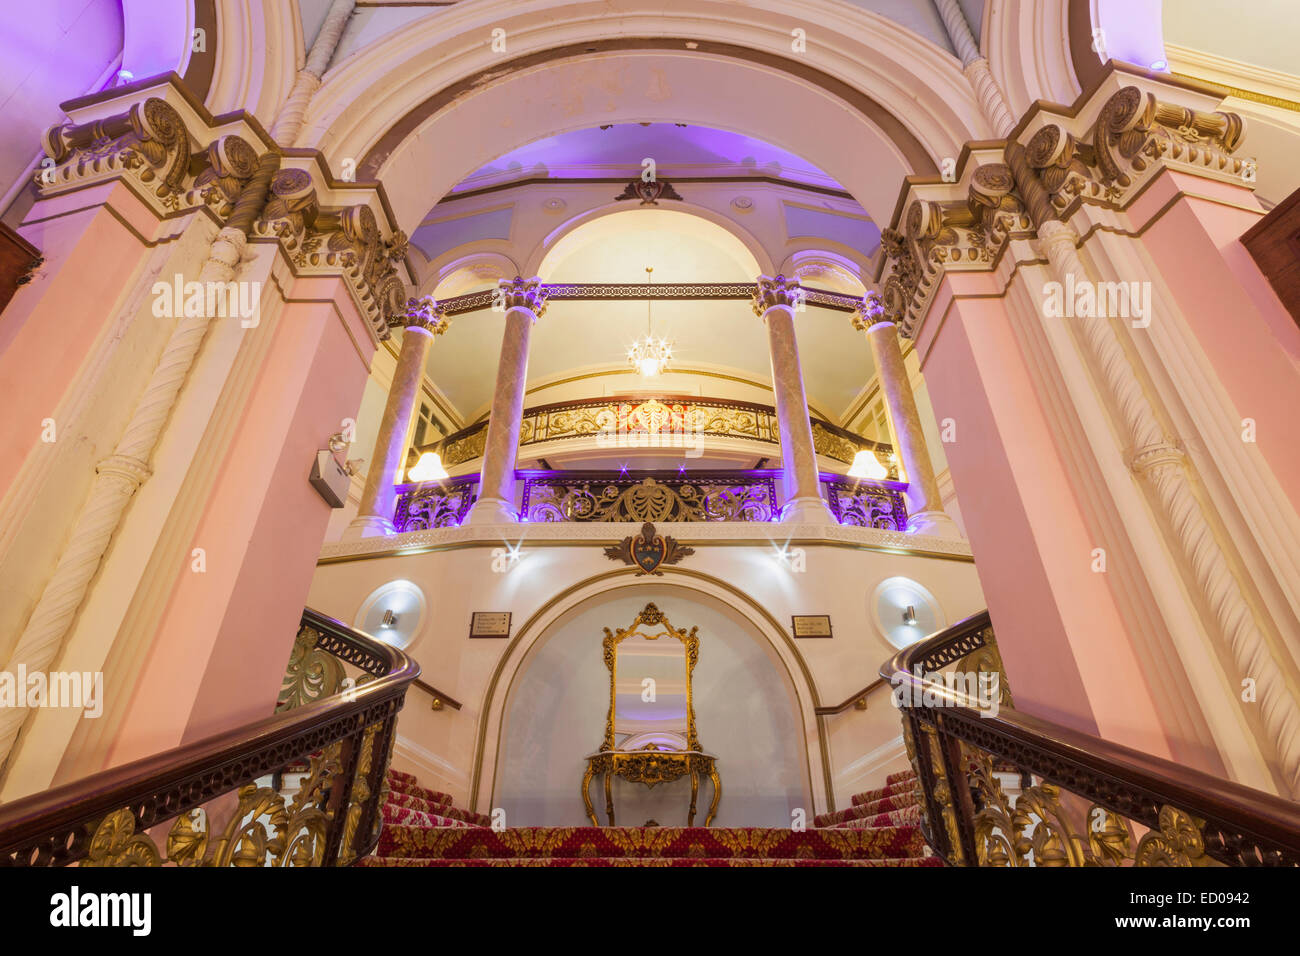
(224,641)
(1251,338)
(50,325)
(1068,654)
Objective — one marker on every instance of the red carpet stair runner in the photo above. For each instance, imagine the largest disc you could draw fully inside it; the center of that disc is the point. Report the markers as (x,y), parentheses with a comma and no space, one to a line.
(423,828)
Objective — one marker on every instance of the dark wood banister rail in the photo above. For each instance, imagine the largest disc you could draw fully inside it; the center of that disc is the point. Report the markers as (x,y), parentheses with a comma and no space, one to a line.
(849,701)
(50,828)
(439,698)
(1240,821)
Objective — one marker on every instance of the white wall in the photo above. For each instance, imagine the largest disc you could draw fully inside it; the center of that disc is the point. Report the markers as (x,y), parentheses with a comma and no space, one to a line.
(746,715)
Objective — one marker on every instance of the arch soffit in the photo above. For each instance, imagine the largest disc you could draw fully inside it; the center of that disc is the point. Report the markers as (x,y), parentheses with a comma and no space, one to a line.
(537,254)
(895,101)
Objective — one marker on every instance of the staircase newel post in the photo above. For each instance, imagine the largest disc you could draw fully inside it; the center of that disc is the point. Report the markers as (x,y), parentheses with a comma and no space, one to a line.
(936,834)
(959,788)
(341,795)
(380,754)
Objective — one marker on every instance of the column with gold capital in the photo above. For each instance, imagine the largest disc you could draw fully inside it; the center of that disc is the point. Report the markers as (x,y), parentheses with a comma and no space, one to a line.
(422,319)
(924,504)
(524,301)
(775,301)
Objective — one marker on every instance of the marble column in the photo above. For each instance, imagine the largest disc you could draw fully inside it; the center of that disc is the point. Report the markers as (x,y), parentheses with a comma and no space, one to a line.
(775,301)
(525,301)
(925,514)
(422,320)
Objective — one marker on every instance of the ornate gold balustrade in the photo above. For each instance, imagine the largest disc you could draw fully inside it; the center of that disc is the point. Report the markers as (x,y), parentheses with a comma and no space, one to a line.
(641,496)
(332,733)
(660,422)
(1002,788)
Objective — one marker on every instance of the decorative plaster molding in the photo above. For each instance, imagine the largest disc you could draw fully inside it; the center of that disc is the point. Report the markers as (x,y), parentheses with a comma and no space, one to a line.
(581,534)
(344,241)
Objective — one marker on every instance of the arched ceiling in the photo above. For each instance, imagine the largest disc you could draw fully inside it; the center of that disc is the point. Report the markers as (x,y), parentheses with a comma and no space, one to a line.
(575,338)
(618,149)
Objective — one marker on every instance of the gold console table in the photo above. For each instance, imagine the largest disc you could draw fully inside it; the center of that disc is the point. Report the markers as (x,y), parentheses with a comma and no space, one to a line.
(651,766)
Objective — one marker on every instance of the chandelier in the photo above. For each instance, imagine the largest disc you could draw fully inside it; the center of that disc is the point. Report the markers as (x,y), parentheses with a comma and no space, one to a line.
(649,355)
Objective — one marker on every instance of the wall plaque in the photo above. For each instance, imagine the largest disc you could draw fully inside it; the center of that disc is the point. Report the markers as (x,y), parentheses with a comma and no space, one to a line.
(489,624)
(811,625)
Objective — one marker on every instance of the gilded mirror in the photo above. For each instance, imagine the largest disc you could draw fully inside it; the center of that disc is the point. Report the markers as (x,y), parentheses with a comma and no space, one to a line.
(650,667)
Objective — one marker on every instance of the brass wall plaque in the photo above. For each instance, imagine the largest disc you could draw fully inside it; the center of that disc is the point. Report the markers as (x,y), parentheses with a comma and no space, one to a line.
(489,624)
(811,625)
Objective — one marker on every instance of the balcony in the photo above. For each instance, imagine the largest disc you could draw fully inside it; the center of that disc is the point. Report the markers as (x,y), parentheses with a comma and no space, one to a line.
(585,426)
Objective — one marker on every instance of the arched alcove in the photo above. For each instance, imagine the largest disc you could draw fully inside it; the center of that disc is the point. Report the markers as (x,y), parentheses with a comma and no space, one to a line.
(747,714)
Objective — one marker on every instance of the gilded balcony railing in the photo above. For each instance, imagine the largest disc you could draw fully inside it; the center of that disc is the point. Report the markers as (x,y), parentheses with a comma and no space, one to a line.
(330,739)
(660,422)
(650,496)
(1003,788)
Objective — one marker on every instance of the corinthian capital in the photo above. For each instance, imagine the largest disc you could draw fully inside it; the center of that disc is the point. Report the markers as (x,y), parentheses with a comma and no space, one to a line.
(424,312)
(773,291)
(521,293)
(870,311)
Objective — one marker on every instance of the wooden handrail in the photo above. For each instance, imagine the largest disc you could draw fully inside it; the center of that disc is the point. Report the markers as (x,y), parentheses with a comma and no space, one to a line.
(54,827)
(439,698)
(850,700)
(1241,825)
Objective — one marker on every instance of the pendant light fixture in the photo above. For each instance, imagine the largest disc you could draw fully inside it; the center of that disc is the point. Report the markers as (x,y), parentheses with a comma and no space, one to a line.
(649,355)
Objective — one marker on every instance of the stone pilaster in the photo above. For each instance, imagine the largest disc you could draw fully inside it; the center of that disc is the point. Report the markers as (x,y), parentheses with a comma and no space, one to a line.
(422,319)
(524,301)
(775,301)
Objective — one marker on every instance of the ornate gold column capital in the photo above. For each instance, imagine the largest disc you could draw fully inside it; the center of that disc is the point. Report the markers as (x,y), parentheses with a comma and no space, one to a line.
(870,312)
(776,290)
(422,312)
(521,293)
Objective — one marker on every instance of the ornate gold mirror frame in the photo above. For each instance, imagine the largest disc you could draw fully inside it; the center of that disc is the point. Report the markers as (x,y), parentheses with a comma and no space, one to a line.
(650,615)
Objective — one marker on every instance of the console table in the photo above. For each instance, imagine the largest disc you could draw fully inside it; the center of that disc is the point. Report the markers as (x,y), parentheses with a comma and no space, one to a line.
(651,766)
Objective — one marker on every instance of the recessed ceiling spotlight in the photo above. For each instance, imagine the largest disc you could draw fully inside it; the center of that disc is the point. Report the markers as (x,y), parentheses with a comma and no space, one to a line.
(743,203)
(554,204)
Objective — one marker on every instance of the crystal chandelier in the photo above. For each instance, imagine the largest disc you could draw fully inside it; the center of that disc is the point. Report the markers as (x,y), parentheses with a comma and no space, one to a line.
(649,356)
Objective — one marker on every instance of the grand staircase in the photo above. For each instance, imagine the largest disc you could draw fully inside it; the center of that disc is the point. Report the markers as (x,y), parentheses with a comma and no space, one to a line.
(424,828)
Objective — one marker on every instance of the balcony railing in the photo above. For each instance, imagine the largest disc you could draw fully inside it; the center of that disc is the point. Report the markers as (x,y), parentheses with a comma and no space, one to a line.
(640,496)
(659,422)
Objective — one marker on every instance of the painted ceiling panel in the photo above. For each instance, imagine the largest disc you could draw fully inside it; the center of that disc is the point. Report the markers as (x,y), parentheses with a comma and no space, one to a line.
(433,239)
(620,150)
(857,233)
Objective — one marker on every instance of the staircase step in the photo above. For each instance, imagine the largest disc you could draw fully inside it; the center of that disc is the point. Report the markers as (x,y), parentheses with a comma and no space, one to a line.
(908,816)
(385,861)
(897,801)
(657,842)
(418,818)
